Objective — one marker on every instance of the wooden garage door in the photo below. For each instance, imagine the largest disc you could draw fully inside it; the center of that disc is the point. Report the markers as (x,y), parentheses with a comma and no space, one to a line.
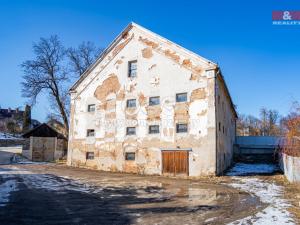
(175,162)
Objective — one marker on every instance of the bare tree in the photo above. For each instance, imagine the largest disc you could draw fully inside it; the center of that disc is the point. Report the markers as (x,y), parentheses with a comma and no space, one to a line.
(248,126)
(264,121)
(291,143)
(267,125)
(273,118)
(47,73)
(82,57)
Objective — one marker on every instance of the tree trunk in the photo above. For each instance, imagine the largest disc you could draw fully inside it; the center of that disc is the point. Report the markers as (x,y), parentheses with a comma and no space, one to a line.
(63,114)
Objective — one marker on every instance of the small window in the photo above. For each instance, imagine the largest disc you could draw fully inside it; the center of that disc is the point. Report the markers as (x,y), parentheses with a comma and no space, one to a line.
(154,101)
(219,126)
(91,108)
(153,129)
(90,155)
(130,130)
(131,103)
(90,133)
(181,97)
(132,69)
(181,128)
(130,156)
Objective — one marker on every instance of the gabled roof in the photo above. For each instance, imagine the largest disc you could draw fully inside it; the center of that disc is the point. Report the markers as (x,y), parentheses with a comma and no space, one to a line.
(115,42)
(119,38)
(43,130)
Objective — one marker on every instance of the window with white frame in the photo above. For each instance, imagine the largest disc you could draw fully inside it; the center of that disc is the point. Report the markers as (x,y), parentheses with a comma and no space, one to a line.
(153,129)
(181,127)
(91,108)
(131,103)
(154,101)
(181,97)
(130,130)
(90,133)
(132,68)
(130,156)
(90,155)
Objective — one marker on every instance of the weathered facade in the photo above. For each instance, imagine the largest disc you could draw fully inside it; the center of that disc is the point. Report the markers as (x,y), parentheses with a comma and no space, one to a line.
(150,106)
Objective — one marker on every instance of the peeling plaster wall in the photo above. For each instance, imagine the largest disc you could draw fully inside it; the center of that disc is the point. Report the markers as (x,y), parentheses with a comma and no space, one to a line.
(162,70)
(226,127)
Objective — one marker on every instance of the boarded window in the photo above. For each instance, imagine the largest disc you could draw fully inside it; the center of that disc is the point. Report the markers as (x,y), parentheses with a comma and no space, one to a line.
(132,69)
(131,103)
(130,130)
(91,108)
(154,101)
(181,128)
(130,156)
(153,129)
(181,97)
(90,133)
(90,155)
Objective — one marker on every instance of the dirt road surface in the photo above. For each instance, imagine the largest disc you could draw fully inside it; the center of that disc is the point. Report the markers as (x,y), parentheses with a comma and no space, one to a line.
(55,194)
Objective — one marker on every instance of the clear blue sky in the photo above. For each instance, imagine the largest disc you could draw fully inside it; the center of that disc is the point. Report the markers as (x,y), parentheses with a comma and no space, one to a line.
(260,61)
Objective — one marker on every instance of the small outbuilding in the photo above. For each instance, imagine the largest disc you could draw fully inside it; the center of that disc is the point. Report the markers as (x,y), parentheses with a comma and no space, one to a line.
(45,144)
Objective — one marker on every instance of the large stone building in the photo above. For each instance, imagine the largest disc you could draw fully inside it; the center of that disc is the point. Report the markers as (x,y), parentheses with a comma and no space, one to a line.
(149,106)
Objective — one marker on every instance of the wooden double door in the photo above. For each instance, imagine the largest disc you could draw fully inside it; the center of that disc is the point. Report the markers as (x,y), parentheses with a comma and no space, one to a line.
(175,162)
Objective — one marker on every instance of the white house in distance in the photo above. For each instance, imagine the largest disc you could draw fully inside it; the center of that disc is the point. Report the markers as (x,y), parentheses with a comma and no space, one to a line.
(149,106)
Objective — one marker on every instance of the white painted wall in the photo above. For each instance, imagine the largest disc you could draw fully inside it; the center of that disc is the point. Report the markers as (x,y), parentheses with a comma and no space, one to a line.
(159,75)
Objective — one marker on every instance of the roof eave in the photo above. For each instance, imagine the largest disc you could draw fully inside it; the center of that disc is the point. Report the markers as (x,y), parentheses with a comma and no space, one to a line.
(227,90)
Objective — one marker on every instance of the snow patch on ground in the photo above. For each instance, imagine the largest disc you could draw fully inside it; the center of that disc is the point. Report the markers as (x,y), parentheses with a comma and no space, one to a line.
(276,213)
(46,181)
(5,189)
(243,169)
(7,136)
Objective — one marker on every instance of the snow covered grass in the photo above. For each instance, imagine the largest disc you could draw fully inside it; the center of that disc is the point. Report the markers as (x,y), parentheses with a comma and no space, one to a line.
(276,212)
(7,136)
